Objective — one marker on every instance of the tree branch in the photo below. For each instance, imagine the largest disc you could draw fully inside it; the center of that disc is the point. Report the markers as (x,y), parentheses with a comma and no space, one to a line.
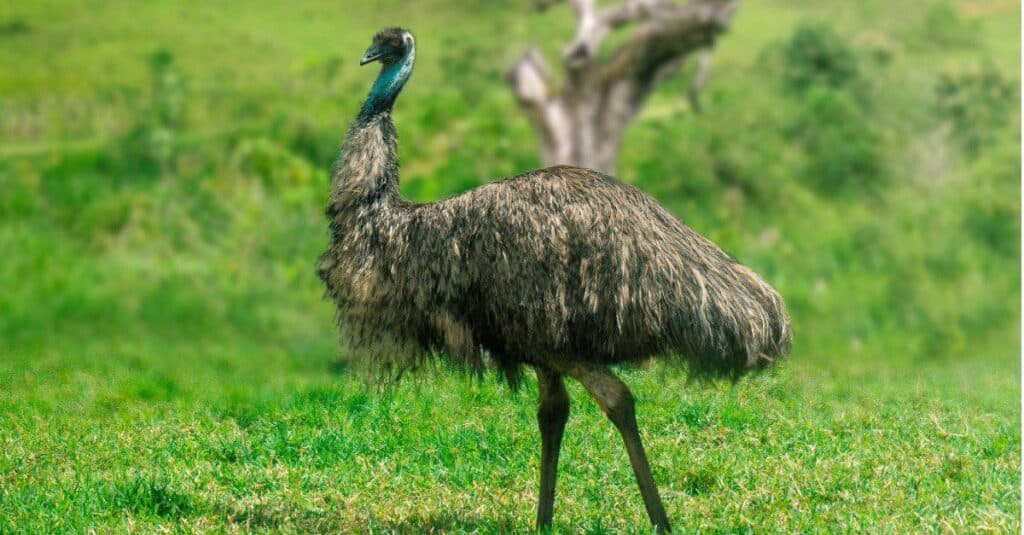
(529,78)
(584,122)
(670,33)
(593,25)
(699,79)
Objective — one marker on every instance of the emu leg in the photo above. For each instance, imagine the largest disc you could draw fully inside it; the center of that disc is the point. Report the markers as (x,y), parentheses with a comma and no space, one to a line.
(616,401)
(552,413)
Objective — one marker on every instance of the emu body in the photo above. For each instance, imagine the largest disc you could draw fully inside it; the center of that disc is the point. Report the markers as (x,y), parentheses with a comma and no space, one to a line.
(563,269)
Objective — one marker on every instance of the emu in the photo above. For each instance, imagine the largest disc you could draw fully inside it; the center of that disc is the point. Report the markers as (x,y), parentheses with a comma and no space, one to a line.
(563,270)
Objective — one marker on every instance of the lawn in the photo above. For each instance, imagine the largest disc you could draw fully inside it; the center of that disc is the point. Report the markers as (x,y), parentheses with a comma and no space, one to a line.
(239,435)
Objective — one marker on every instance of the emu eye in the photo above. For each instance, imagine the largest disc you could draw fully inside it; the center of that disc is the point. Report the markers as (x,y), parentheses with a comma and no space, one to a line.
(408,39)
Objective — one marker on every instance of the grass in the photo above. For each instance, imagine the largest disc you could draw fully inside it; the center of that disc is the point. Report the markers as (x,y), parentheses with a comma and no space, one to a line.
(258,437)
(167,362)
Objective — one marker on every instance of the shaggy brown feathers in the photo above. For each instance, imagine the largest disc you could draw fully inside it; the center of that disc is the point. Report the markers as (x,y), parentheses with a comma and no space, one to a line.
(553,266)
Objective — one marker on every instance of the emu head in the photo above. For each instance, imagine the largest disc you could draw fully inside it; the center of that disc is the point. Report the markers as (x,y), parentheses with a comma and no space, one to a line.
(390,45)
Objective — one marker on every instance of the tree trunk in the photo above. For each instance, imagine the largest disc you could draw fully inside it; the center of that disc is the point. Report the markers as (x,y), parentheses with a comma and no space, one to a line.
(583,123)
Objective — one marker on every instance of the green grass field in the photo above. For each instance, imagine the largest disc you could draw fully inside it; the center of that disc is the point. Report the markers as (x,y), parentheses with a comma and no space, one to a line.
(167,362)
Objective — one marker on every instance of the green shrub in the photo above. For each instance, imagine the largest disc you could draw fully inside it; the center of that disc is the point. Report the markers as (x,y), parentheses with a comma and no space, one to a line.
(995,222)
(103,218)
(992,198)
(301,135)
(277,167)
(167,93)
(460,57)
(15,26)
(148,146)
(976,102)
(844,151)
(943,27)
(673,164)
(816,55)
(21,197)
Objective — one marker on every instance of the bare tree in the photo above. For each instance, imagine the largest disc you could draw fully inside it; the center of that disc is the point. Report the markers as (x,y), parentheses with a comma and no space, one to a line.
(583,122)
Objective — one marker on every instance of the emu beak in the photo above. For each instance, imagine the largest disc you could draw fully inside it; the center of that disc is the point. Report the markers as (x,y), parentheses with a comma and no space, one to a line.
(372,54)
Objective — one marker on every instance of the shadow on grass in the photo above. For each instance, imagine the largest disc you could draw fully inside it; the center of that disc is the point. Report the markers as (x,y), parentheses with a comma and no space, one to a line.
(446,523)
(146,496)
(275,518)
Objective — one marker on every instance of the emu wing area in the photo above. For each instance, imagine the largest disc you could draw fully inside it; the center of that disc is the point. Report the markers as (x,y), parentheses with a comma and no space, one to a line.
(567,263)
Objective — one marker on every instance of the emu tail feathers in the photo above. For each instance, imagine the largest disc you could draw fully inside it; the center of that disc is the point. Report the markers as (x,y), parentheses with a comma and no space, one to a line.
(738,324)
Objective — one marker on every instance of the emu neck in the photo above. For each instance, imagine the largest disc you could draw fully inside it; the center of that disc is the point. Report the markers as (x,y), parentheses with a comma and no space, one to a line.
(389,84)
(367,169)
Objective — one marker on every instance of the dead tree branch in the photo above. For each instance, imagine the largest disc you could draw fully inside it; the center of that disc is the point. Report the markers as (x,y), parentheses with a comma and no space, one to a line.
(584,121)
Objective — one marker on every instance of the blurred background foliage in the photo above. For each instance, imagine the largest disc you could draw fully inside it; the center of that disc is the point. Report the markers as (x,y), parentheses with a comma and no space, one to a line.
(164,169)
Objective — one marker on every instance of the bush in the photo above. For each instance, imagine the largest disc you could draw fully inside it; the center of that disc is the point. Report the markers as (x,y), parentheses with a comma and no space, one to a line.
(992,197)
(274,165)
(995,222)
(977,103)
(843,149)
(15,26)
(167,96)
(22,196)
(149,145)
(303,136)
(818,56)
(460,57)
(944,28)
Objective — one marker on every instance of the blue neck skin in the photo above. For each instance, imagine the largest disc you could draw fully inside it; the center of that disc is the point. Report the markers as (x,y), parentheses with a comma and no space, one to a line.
(385,90)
